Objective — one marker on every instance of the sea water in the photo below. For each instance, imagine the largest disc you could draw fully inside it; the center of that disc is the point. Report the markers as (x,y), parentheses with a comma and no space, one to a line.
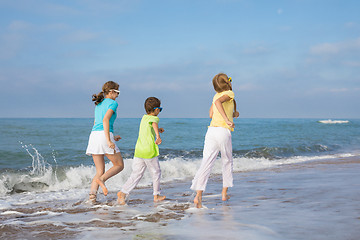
(49,154)
(44,172)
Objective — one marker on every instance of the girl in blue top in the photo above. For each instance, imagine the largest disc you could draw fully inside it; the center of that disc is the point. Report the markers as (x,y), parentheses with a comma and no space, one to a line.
(102,141)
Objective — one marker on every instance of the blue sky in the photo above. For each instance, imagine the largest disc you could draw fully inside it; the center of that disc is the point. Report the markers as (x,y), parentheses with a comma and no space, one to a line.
(291,58)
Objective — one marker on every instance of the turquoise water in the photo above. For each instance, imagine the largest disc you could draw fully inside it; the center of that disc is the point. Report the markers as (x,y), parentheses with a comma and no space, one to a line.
(44,154)
(66,139)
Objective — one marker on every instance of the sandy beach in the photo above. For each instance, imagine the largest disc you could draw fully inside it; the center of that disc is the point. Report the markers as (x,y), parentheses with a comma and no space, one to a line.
(312,200)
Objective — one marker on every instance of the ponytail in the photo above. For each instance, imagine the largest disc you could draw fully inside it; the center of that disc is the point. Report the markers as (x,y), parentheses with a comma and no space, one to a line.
(98,98)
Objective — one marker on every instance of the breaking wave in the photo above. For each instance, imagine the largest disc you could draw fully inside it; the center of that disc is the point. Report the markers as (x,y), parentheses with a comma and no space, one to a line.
(46,177)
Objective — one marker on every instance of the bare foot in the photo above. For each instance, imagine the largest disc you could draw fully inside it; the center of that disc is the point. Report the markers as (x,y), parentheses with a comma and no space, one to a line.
(197,201)
(92,197)
(225,197)
(121,198)
(224,194)
(102,185)
(158,198)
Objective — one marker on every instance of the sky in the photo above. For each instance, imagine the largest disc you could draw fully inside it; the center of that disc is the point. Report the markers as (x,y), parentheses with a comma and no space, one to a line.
(287,59)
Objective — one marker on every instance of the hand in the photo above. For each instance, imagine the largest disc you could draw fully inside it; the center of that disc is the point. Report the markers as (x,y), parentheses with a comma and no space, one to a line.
(161,130)
(236,114)
(158,141)
(230,123)
(117,138)
(111,145)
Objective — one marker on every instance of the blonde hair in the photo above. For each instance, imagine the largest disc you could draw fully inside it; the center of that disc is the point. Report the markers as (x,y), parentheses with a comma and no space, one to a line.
(98,98)
(221,83)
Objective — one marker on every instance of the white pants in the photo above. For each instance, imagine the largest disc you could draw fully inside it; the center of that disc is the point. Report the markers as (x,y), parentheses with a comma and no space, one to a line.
(217,140)
(138,168)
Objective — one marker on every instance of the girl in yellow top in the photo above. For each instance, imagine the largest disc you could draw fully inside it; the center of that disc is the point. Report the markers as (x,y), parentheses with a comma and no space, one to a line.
(218,138)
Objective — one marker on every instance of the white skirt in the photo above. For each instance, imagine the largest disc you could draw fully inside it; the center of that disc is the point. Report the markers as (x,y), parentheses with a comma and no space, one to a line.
(98,144)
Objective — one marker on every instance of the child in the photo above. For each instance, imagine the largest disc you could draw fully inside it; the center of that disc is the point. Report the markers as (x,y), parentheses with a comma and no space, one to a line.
(101,140)
(218,138)
(146,152)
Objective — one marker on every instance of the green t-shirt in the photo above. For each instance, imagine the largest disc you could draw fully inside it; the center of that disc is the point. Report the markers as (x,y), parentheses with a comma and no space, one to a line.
(145,145)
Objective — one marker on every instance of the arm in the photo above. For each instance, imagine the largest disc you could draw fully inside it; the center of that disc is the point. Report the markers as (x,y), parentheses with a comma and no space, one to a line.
(106,124)
(220,108)
(211,111)
(157,134)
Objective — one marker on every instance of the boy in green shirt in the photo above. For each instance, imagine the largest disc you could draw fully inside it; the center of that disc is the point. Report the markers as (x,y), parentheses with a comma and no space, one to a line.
(146,152)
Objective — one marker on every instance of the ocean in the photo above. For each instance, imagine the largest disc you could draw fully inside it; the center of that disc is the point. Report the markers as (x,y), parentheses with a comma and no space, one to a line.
(45,179)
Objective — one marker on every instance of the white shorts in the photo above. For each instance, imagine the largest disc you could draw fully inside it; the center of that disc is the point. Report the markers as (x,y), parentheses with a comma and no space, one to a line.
(98,144)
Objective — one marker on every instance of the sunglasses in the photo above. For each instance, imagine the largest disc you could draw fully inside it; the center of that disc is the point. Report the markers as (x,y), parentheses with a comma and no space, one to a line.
(158,108)
(117,91)
(230,80)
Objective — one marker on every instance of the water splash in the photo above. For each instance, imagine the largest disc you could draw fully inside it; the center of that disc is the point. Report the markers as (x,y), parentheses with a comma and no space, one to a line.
(53,153)
(39,164)
(54,158)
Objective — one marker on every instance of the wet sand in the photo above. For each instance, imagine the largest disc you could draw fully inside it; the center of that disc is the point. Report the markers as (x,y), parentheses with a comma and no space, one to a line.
(311,200)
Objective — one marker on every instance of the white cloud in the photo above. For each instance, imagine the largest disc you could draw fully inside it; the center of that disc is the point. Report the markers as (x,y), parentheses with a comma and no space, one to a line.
(285,28)
(325,48)
(256,50)
(327,90)
(19,25)
(352,63)
(55,27)
(156,86)
(336,90)
(336,48)
(80,36)
(350,24)
(22,26)
(10,45)
(247,87)
(19,36)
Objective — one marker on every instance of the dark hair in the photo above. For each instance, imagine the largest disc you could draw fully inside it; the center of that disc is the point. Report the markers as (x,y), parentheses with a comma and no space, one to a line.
(221,83)
(98,98)
(151,103)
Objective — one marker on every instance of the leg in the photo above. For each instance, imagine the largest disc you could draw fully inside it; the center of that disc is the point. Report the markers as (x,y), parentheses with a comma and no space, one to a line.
(100,168)
(118,166)
(198,199)
(224,195)
(138,169)
(227,164)
(154,168)
(210,152)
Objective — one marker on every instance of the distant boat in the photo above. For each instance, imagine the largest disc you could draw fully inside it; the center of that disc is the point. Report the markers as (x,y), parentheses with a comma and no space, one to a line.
(329,121)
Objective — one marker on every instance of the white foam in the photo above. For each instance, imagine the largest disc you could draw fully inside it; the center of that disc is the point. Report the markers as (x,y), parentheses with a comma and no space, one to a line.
(75,182)
(10,213)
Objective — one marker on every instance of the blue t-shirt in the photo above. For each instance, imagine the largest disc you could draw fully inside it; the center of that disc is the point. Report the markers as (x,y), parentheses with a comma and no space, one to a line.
(100,111)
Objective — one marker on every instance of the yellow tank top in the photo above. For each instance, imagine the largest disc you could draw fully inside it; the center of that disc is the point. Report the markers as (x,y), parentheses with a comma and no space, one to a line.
(217,120)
